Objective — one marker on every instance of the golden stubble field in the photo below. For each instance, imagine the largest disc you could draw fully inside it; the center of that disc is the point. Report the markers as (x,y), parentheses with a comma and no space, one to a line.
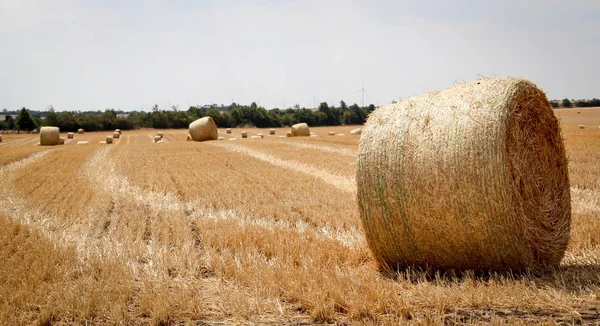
(247,231)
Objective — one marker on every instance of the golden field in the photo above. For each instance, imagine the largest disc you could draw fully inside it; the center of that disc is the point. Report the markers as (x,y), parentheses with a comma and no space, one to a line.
(248,231)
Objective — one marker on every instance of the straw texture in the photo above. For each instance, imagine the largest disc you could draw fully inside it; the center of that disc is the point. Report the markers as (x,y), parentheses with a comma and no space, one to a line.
(300,129)
(49,136)
(203,129)
(472,177)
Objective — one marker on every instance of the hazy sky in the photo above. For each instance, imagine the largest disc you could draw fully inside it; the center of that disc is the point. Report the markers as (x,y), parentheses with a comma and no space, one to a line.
(79,55)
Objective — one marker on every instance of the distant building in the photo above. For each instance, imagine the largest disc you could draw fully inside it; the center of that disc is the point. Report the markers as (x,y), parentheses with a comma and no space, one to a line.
(122,115)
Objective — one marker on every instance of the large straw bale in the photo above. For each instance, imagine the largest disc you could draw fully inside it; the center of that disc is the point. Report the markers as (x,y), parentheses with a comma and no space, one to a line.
(356,131)
(472,177)
(49,136)
(70,135)
(300,129)
(203,129)
(244,134)
(80,131)
(228,130)
(271,131)
(116,135)
(109,139)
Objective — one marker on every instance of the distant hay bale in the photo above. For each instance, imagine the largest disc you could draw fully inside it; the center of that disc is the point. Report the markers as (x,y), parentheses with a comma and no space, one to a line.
(49,136)
(271,131)
(84,142)
(288,134)
(221,138)
(189,138)
(61,140)
(260,135)
(228,130)
(244,134)
(331,133)
(109,139)
(203,129)
(157,138)
(70,135)
(300,129)
(160,134)
(80,131)
(255,137)
(471,177)
(118,130)
(116,135)
(581,127)
(34,131)
(356,131)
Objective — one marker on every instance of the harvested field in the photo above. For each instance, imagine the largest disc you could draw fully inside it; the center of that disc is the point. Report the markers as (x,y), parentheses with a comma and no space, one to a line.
(248,232)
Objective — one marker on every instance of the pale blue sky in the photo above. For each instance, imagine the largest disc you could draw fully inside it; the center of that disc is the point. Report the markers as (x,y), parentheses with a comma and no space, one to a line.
(131,54)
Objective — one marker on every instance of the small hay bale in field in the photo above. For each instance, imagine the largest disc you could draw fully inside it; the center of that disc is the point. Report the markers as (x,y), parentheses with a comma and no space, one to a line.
(221,138)
(70,135)
(34,131)
(228,130)
(80,131)
(356,131)
(109,139)
(49,136)
(331,133)
(255,137)
(189,138)
(260,135)
(203,129)
(300,129)
(288,134)
(118,130)
(157,138)
(471,177)
(244,134)
(581,127)
(85,142)
(271,131)
(61,140)
(159,134)
(116,135)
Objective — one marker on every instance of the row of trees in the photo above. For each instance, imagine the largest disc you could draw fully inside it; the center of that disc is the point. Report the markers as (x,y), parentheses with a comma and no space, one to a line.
(226,117)
(566,103)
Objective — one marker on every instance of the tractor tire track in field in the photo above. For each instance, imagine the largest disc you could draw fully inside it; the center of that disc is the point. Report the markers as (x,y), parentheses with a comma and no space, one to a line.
(340,182)
(101,171)
(325,148)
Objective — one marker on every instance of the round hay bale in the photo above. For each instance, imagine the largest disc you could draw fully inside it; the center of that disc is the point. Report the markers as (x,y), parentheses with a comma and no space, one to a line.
(581,127)
(189,138)
(109,139)
(116,135)
(203,129)
(244,134)
(288,134)
(472,177)
(255,137)
(221,138)
(70,135)
(300,129)
(49,136)
(61,140)
(80,131)
(85,142)
(331,133)
(157,138)
(356,131)
(228,130)
(118,130)
(271,131)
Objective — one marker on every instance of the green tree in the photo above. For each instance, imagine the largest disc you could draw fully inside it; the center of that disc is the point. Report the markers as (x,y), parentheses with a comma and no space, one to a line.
(566,103)
(51,118)
(24,121)
(10,122)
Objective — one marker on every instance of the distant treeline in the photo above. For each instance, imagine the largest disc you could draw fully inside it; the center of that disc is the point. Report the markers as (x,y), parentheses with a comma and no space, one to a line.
(230,116)
(566,103)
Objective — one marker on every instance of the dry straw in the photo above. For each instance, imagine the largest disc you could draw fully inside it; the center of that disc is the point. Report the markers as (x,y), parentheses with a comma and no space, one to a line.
(116,135)
(356,131)
(157,139)
(472,177)
(109,139)
(70,135)
(255,137)
(80,131)
(340,135)
(271,131)
(85,142)
(203,129)
(260,135)
(160,134)
(49,136)
(244,134)
(288,134)
(331,133)
(221,138)
(300,129)
(34,131)
(189,138)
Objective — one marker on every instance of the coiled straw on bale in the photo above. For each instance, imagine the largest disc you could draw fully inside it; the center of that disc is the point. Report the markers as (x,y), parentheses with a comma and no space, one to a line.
(244,134)
(300,129)
(203,129)
(271,131)
(49,136)
(472,177)
(80,131)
